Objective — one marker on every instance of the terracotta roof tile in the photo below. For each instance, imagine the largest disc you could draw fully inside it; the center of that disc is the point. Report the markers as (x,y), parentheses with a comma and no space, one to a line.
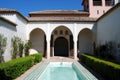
(60,15)
(6,9)
(60,12)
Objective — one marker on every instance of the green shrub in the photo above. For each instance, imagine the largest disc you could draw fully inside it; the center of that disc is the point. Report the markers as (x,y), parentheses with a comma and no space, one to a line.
(14,68)
(27,46)
(37,57)
(16,47)
(108,69)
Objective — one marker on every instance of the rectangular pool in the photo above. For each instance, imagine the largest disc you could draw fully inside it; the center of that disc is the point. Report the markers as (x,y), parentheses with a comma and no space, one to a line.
(63,71)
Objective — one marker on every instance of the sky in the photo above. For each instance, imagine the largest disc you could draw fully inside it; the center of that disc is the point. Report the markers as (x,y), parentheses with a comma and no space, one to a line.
(26,6)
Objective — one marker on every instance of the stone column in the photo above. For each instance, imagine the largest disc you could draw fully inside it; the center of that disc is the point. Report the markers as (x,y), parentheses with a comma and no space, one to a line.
(48,40)
(75,40)
(75,49)
(103,2)
(48,49)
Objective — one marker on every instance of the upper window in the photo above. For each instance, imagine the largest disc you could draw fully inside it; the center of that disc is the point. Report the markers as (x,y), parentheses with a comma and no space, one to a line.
(61,32)
(55,32)
(109,2)
(66,32)
(97,2)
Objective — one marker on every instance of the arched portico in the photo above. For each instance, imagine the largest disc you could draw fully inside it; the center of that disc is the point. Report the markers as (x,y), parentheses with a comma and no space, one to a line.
(85,41)
(38,39)
(72,33)
(63,35)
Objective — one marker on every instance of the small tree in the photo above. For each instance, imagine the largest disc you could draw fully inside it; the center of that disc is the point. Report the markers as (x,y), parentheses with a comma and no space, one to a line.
(21,47)
(3,41)
(27,46)
(106,50)
(16,47)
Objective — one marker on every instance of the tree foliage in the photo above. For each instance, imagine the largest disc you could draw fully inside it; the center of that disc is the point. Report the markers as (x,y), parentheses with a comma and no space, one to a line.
(3,42)
(27,46)
(17,47)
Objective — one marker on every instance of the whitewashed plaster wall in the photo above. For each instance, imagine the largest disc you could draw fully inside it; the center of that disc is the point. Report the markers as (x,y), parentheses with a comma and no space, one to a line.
(86,40)
(37,39)
(108,28)
(21,24)
(21,27)
(9,31)
(10,16)
(20,31)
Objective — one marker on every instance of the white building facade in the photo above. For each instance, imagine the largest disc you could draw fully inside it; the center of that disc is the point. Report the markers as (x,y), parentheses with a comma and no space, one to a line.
(59,32)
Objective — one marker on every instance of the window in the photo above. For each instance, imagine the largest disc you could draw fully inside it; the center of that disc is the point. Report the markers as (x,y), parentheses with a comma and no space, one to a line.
(55,32)
(109,2)
(97,2)
(103,11)
(97,11)
(66,32)
(61,32)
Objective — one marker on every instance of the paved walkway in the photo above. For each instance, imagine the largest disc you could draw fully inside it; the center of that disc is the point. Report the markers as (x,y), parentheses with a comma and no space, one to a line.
(52,59)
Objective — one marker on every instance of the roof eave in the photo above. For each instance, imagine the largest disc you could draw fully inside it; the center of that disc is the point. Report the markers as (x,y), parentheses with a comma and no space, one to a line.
(8,21)
(15,12)
(62,20)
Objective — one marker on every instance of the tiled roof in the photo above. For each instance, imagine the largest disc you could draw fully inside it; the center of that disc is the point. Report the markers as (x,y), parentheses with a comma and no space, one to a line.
(61,19)
(60,12)
(55,15)
(7,11)
(60,15)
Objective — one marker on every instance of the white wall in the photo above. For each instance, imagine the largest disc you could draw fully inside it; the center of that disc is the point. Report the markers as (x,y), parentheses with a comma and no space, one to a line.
(37,39)
(86,41)
(21,27)
(8,31)
(21,24)
(108,28)
(11,17)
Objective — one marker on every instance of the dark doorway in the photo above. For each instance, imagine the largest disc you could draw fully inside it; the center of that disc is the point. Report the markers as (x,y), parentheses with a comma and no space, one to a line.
(61,47)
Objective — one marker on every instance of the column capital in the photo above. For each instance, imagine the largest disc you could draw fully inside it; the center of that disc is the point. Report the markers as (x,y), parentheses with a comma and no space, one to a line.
(75,39)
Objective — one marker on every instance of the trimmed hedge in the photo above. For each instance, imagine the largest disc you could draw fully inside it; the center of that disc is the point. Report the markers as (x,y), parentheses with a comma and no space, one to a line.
(14,68)
(107,69)
(37,57)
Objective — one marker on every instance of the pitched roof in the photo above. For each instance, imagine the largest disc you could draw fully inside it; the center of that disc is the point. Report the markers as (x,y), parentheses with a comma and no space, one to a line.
(7,11)
(60,15)
(60,12)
